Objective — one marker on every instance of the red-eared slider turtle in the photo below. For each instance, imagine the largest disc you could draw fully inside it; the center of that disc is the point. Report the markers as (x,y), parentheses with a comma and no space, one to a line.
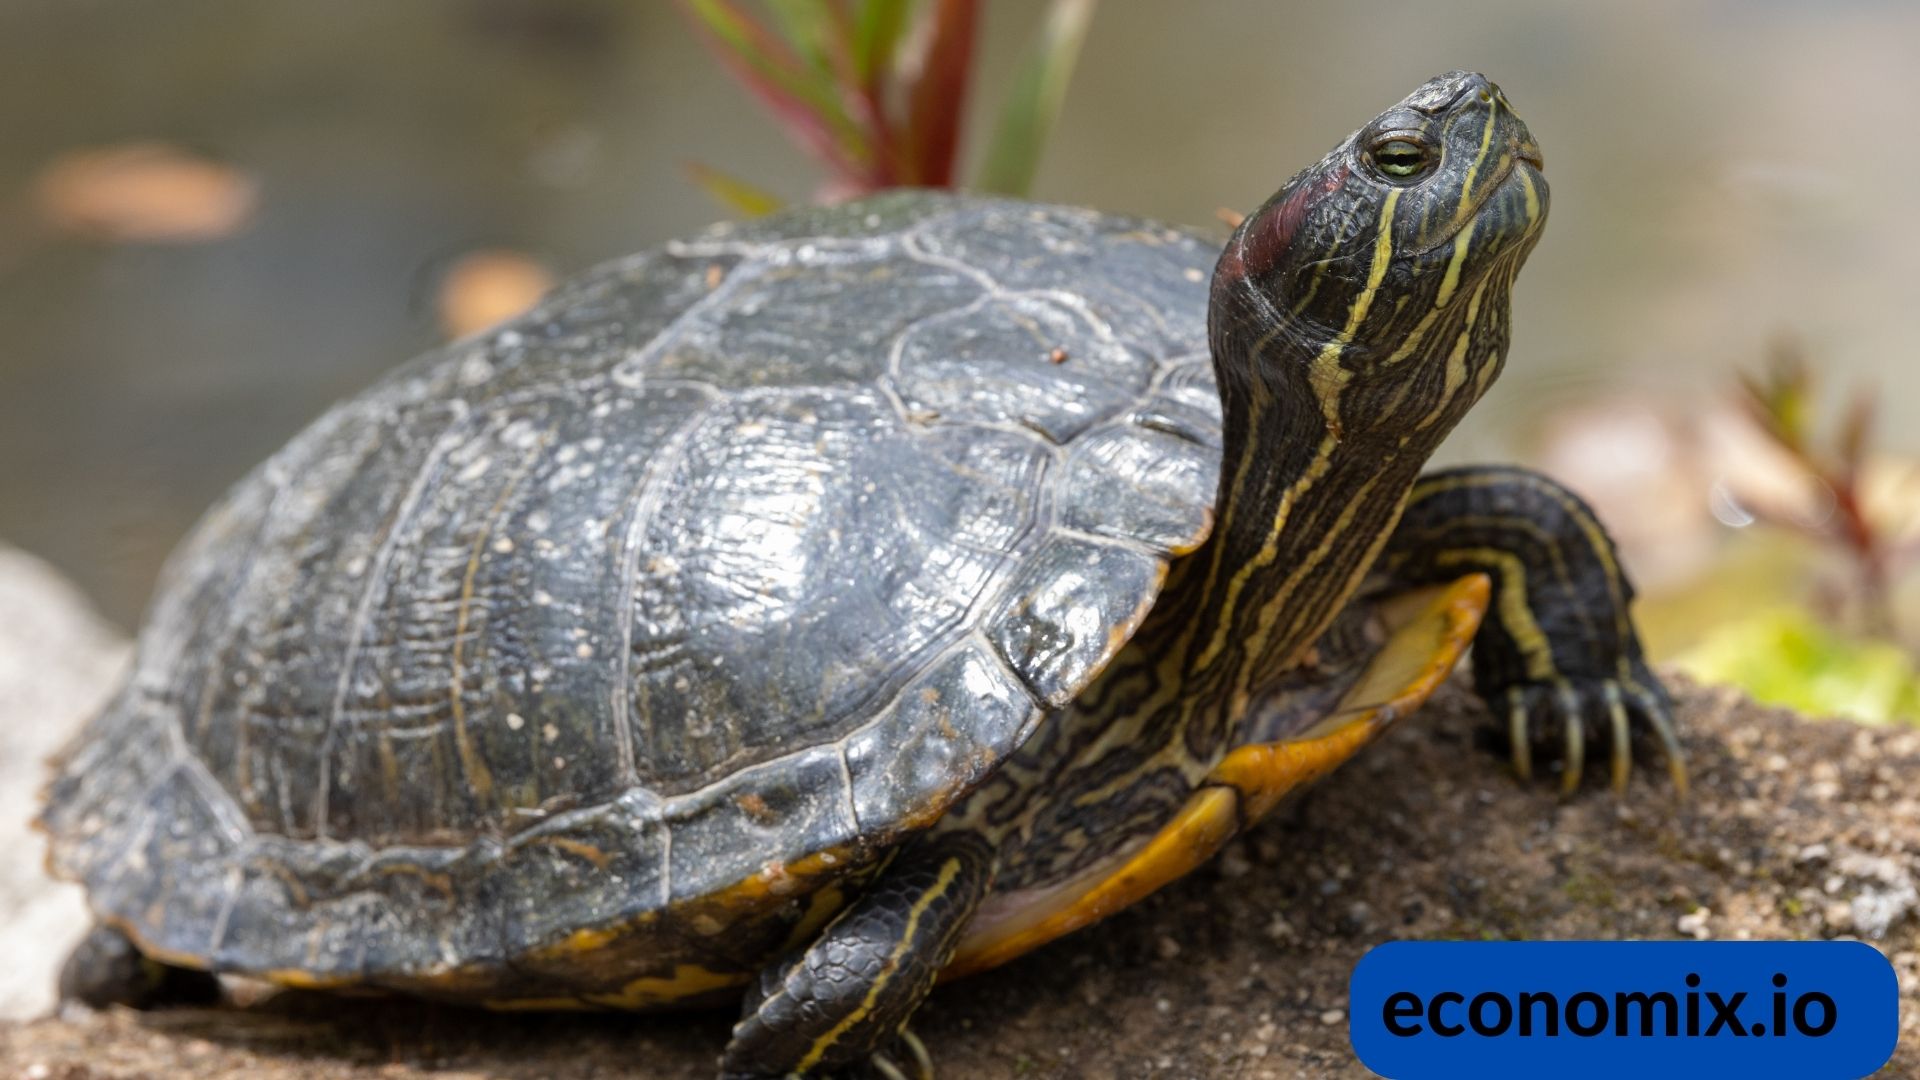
(806,610)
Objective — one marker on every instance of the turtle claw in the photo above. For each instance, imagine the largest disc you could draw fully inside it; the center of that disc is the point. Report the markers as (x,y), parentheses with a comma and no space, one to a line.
(918,1064)
(1576,751)
(1659,714)
(1609,709)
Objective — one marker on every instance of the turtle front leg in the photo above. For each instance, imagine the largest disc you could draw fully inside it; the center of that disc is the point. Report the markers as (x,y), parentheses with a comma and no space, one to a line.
(842,1002)
(1558,648)
(107,969)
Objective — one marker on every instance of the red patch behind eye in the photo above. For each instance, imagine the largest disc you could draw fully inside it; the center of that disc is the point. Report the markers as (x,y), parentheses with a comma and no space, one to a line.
(1267,237)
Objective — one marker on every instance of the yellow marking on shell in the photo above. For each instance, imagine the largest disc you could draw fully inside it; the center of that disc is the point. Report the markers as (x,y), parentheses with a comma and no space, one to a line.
(1205,823)
(1191,544)
(942,881)
(579,849)
(1263,773)
(1516,618)
(544,1004)
(1422,651)
(464,981)
(440,883)
(389,764)
(773,884)
(777,881)
(585,940)
(822,906)
(686,981)
(297,893)
(1429,630)
(296,979)
(479,777)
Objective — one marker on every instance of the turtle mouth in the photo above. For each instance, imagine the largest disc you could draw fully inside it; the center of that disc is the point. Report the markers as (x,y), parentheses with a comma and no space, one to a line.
(1528,156)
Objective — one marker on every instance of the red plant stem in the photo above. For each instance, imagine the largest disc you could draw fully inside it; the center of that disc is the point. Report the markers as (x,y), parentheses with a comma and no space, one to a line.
(813,132)
(865,101)
(1858,534)
(939,92)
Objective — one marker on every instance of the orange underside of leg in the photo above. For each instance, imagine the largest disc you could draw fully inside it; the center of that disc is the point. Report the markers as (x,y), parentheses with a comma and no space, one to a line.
(1429,630)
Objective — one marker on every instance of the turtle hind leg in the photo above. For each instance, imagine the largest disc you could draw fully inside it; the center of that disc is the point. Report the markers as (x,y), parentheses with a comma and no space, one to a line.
(1558,658)
(107,968)
(841,1003)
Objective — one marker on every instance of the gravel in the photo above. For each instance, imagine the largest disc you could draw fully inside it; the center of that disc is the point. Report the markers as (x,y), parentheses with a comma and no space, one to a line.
(1794,829)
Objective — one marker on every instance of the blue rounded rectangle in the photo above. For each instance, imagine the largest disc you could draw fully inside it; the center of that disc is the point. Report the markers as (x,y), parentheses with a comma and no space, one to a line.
(1571,1009)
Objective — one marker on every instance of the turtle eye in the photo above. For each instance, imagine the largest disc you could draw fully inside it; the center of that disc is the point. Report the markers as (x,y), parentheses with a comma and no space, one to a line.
(1402,159)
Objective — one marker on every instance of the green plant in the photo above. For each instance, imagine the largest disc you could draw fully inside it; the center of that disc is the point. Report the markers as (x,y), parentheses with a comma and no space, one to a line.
(876,90)
(1837,651)
(1781,403)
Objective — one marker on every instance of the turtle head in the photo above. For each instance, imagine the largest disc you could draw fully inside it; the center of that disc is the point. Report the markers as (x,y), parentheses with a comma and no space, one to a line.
(1376,281)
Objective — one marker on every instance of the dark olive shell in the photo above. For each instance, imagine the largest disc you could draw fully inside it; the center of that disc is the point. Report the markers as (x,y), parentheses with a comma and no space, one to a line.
(765,544)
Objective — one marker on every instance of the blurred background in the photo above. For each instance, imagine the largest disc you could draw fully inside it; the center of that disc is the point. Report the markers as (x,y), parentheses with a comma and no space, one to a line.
(217,218)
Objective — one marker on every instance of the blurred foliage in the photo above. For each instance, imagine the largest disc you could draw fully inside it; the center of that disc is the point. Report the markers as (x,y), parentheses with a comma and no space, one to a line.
(877,90)
(1781,403)
(1790,656)
(1835,650)
(732,192)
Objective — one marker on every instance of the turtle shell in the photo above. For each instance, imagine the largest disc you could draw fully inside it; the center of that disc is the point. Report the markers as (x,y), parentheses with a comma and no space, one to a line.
(665,605)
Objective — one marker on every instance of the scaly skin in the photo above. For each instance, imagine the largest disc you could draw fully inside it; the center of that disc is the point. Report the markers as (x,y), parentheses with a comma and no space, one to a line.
(1355,318)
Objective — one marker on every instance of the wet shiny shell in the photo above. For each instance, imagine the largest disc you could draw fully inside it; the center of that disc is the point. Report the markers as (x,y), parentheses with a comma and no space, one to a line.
(765,544)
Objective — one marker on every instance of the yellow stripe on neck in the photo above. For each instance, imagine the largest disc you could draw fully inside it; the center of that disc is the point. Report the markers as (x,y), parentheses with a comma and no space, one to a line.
(1329,379)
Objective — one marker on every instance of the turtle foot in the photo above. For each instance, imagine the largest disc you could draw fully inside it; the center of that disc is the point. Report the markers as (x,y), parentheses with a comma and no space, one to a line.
(1556,719)
(108,969)
(907,1059)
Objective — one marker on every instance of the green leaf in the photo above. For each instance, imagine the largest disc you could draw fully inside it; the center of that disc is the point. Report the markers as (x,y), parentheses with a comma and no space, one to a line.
(805,99)
(732,192)
(877,38)
(1856,436)
(804,23)
(1788,656)
(1789,392)
(1039,90)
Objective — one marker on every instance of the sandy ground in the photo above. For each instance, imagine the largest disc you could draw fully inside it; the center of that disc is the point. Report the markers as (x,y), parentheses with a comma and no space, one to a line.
(1794,829)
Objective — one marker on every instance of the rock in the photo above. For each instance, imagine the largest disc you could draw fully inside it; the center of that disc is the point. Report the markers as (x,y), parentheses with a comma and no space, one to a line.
(58,663)
(1233,971)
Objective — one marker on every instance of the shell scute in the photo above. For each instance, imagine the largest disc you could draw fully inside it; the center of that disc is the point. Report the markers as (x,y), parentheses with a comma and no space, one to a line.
(578,652)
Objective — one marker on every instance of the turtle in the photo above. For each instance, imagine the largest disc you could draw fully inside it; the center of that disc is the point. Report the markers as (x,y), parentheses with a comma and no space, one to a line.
(849,599)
